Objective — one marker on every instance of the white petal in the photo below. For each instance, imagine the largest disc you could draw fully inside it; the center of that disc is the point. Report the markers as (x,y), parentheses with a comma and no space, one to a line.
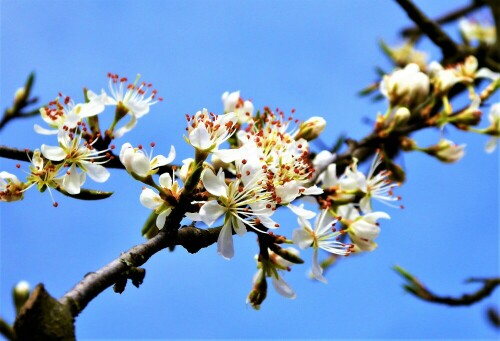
(150,199)
(54,153)
(72,181)
(491,145)
(211,211)
(301,212)
(317,270)
(242,229)
(365,204)
(225,246)
(313,190)
(97,173)
(40,130)
(283,288)
(126,128)
(166,180)
(160,220)
(229,155)
(215,184)
(199,138)
(487,73)
(193,216)
(302,238)
(139,164)
(161,160)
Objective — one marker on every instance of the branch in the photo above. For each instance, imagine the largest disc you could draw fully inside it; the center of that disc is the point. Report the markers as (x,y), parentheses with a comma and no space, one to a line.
(416,288)
(414,32)
(431,29)
(6,330)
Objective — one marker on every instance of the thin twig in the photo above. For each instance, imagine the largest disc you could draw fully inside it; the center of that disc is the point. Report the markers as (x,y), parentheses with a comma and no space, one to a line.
(414,32)
(431,29)
(416,288)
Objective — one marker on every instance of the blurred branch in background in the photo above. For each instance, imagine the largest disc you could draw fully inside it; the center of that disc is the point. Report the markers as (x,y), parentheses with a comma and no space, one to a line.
(416,288)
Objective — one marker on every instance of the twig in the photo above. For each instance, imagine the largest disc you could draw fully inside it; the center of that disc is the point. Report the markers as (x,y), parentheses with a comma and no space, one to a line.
(416,288)
(431,29)
(413,32)
(6,330)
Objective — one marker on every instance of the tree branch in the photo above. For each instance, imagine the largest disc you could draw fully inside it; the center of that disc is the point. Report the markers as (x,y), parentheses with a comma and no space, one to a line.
(416,288)
(430,28)
(414,32)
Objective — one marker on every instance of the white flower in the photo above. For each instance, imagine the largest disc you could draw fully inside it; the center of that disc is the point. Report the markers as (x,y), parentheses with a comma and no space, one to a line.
(136,161)
(234,103)
(473,30)
(362,229)
(133,98)
(11,189)
(65,115)
(377,186)
(324,236)
(243,202)
(406,86)
(154,201)
(206,131)
(77,154)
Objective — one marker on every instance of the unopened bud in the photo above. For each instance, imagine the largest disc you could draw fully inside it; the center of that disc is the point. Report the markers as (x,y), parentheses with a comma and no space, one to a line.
(401,116)
(20,96)
(20,294)
(259,291)
(408,144)
(289,254)
(311,129)
(446,151)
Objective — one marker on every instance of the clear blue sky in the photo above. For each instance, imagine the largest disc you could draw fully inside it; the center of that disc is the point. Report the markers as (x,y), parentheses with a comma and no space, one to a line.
(312,56)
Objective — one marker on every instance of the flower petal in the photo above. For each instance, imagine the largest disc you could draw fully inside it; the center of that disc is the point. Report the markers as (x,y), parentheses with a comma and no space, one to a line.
(54,153)
(97,173)
(283,288)
(225,246)
(215,184)
(211,211)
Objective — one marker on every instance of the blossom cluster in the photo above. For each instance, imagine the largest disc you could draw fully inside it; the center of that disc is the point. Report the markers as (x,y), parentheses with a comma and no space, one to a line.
(81,148)
(246,166)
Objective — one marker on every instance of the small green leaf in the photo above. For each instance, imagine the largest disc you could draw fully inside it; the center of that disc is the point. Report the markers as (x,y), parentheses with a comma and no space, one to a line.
(149,230)
(87,194)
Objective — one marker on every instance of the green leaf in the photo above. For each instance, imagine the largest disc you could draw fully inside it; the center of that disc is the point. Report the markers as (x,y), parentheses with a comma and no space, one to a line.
(87,194)
(149,229)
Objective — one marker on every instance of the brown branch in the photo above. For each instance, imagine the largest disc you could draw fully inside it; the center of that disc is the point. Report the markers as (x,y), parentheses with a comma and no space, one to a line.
(6,330)
(430,28)
(414,32)
(416,288)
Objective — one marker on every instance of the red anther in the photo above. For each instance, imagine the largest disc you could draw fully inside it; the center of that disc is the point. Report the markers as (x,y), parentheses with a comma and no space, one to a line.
(401,206)
(268,206)
(377,224)
(66,100)
(139,146)
(152,144)
(55,204)
(160,99)
(257,221)
(276,225)
(293,110)
(244,161)
(337,239)
(399,197)
(112,146)
(247,173)
(270,233)
(334,229)
(300,145)
(18,165)
(123,79)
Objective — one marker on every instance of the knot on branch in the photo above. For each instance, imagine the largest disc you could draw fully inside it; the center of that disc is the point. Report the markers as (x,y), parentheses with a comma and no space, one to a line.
(135,274)
(44,318)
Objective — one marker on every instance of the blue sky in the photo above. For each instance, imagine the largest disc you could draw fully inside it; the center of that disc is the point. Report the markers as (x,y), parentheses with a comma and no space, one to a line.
(311,56)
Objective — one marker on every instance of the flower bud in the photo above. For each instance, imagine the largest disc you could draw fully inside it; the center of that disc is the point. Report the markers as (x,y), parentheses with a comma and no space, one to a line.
(20,294)
(406,86)
(401,116)
(311,129)
(259,291)
(11,189)
(446,151)
(289,254)
(19,96)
